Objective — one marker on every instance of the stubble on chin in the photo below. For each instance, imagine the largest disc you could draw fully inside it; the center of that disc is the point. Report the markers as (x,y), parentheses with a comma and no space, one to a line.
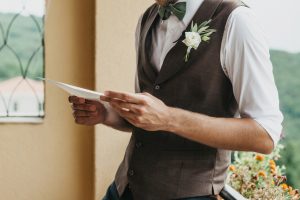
(161,2)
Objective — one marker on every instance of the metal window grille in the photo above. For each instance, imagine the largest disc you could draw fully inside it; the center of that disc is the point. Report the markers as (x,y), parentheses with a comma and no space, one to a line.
(21,59)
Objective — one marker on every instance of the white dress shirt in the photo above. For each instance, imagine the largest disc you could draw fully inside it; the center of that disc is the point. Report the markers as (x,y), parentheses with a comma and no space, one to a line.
(245,60)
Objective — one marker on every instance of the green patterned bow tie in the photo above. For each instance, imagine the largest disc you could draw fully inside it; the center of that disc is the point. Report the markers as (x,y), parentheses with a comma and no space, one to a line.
(177,9)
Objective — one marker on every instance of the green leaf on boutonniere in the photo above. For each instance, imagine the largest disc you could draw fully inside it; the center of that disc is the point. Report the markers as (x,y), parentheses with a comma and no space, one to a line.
(205,23)
(194,27)
(205,38)
(203,29)
(208,33)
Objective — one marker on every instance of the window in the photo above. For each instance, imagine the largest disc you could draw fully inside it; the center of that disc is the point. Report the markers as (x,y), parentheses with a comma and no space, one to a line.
(16,107)
(21,60)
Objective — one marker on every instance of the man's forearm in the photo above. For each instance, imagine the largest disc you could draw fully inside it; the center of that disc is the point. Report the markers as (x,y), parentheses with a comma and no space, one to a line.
(225,133)
(150,113)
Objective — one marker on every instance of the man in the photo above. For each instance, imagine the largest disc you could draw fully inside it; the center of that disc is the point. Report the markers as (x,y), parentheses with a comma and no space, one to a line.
(190,111)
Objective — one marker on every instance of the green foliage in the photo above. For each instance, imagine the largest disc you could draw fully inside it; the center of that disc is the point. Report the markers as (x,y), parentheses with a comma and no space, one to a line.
(24,38)
(291,158)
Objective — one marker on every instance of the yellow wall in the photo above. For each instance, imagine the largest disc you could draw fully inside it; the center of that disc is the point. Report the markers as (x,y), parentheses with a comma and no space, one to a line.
(115,68)
(54,160)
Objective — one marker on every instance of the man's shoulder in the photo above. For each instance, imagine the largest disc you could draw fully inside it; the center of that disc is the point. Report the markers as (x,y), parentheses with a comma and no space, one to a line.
(234,2)
(230,5)
(225,8)
(150,10)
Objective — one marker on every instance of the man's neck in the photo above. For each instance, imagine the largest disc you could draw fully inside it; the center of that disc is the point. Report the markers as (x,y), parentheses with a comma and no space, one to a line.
(165,2)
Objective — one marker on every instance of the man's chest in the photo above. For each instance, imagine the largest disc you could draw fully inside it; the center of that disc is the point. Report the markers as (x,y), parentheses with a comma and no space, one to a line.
(164,37)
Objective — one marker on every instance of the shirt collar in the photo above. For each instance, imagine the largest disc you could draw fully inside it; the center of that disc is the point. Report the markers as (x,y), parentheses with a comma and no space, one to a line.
(191,8)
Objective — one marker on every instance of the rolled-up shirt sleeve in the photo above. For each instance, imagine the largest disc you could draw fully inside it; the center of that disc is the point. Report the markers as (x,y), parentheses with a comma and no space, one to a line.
(246,61)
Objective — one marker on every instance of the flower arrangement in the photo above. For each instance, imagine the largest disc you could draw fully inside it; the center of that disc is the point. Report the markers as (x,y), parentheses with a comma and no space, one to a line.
(257,176)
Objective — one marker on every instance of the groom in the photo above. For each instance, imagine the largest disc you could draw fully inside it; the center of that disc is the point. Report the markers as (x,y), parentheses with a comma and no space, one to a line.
(189,112)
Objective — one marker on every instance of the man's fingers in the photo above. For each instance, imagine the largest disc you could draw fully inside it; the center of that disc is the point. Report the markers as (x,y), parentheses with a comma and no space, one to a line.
(76,100)
(146,94)
(137,109)
(127,97)
(82,120)
(127,114)
(84,107)
(93,102)
(79,113)
(106,99)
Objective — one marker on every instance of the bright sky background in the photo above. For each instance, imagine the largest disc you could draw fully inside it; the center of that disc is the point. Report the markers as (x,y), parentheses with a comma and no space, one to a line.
(281,22)
(36,7)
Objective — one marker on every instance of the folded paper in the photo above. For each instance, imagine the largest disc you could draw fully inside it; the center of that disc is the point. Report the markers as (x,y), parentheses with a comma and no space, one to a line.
(75,91)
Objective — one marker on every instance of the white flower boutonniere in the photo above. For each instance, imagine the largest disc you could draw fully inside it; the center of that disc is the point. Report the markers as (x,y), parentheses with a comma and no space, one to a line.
(197,34)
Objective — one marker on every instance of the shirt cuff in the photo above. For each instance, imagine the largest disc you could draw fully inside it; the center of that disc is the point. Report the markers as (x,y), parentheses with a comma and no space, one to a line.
(273,128)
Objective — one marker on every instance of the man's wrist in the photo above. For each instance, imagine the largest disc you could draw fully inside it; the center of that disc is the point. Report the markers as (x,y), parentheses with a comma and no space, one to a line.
(171,122)
(106,116)
(180,120)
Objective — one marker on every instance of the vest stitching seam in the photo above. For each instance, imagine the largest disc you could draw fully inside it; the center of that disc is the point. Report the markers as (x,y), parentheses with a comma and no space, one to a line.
(214,173)
(180,177)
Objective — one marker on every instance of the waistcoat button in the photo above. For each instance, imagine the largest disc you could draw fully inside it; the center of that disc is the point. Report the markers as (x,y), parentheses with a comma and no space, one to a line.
(157,87)
(131,172)
(138,145)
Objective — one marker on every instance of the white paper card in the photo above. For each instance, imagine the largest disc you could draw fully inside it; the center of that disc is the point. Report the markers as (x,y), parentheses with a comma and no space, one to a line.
(76,91)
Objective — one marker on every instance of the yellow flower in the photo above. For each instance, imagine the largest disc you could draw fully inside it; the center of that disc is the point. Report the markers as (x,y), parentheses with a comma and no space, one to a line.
(284,186)
(259,157)
(273,167)
(272,162)
(262,174)
(232,168)
(273,171)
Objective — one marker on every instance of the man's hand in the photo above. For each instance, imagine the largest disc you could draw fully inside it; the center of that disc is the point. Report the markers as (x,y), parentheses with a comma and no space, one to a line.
(141,110)
(87,112)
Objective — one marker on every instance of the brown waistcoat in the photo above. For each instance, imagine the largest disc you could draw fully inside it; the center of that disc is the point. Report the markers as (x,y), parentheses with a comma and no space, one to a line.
(161,165)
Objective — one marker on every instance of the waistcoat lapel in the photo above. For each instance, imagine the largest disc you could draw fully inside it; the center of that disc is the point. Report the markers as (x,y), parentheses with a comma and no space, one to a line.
(174,60)
(145,46)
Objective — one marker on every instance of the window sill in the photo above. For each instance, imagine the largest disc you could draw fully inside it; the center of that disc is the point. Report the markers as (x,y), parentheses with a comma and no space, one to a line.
(18,120)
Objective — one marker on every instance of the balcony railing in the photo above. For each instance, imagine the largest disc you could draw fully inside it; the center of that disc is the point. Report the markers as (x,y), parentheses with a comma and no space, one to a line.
(228,193)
